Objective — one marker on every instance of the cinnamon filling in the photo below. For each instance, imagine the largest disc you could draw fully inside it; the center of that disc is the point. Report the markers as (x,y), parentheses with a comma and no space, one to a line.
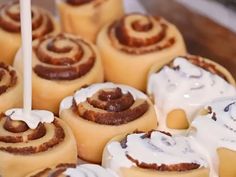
(54,172)
(19,132)
(63,58)
(4,71)
(159,167)
(78,2)
(111,107)
(10,20)
(122,34)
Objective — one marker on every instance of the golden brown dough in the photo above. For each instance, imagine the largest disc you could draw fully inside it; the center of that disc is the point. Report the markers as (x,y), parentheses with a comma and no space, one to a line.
(85,18)
(42,22)
(10,88)
(62,64)
(130,45)
(103,111)
(24,150)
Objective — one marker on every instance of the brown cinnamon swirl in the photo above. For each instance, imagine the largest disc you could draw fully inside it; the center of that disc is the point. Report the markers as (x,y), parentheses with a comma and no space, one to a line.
(61,64)
(26,150)
(101,111)
(10,88)
(133,43)
(74,15)
(42,23)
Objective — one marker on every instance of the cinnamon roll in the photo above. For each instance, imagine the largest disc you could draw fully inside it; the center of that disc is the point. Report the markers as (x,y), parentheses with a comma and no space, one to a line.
(24,150)
(71,170)
(155,154)
(215,129)
(130,45)
(86,17)
(61,64)
(10,88)
(42,23)
(182,87)
(101,111)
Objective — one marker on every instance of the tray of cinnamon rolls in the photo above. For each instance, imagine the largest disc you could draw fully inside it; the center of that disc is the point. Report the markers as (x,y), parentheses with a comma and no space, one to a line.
(117,95)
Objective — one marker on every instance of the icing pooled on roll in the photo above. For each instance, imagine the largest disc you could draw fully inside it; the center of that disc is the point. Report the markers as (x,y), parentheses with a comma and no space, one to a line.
(185,85)
(217,128)
(34,119)
(71,170)
(154,150)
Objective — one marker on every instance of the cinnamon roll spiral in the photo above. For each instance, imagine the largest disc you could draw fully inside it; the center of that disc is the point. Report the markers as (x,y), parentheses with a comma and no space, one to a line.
(42,24)
(186,80)
(61,64)
(133,43)
(10,88)
(71,170)
(26,150)
(101,111)
(155,154)
(219,117)
(91,15)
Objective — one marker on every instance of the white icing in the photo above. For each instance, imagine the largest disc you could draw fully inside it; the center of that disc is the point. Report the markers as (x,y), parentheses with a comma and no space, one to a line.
(189,88)
(213,134)
(33,120)
(159,149)
(84,93)
(89,170)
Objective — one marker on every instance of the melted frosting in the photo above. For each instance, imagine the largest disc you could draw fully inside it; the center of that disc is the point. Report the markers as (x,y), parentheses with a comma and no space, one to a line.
(220,120)
(158,149)
(185,86)
(89,170)
(84,93)
(36,117)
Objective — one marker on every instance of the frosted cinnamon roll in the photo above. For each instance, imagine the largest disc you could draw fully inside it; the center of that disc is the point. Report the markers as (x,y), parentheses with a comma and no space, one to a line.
(71,170)
(62,64)
(10,88)
(42,23)
(182,87)
(155,154)
(215,129)
(86,17)
(101,111)
(129,46)
(24,150)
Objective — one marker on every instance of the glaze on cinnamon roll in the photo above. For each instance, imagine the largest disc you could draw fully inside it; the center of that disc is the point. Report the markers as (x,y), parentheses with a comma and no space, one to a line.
(24,150)
(101,111)
(10,88)
(155,154)
(182,87)
(42,23)
(71,170)
(129,46)
(62,64)
(86,17)
(215,130)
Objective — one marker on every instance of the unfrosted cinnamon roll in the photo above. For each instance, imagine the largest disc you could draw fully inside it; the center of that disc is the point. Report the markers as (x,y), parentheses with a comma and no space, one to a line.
(71,170)
(62,64)
(86,17)
(10,88)
(155,154)
(182,87)
(42,23)
(215,129)
(101,111)
(130,45)
(24,150)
